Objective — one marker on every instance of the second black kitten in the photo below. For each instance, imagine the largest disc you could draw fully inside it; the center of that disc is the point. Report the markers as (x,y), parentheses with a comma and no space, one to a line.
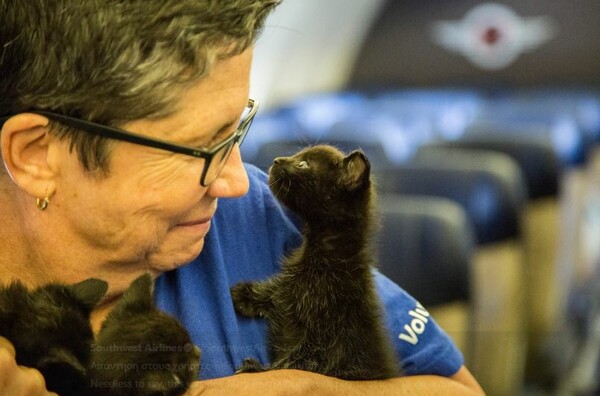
(142,351)
(323,312)
(50,330)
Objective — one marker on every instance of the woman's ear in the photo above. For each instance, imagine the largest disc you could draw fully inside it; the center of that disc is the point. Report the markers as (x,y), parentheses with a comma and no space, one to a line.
(26,147)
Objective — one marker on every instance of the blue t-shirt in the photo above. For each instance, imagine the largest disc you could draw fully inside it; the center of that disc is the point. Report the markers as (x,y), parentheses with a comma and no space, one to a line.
(247,240)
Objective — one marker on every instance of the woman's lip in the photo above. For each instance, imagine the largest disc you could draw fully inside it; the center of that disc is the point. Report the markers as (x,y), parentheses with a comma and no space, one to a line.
(195,223)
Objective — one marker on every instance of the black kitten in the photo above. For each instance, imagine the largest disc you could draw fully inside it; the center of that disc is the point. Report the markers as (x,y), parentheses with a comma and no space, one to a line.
(323,312)
(141,350)
(50,330)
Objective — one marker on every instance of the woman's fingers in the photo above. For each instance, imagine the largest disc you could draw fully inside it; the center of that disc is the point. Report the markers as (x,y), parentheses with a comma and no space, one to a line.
(18,380)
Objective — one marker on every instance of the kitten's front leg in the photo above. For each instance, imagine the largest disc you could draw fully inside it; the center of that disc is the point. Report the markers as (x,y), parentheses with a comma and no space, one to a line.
(253,298)
(251,366)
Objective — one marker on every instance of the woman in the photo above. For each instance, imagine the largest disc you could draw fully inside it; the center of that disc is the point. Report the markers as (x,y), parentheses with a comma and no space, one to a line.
(81,199)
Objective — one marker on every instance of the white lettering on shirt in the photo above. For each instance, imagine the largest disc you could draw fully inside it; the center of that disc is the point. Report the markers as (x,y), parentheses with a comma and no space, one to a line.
(417,325)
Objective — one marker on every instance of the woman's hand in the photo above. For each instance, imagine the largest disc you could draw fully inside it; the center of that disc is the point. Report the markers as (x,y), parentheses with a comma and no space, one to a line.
(18,380)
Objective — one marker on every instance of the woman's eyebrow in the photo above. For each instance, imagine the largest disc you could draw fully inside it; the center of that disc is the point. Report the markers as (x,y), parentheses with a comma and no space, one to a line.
(193,141)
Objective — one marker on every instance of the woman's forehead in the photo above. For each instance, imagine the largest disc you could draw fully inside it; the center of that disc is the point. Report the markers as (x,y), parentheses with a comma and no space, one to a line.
(206,107)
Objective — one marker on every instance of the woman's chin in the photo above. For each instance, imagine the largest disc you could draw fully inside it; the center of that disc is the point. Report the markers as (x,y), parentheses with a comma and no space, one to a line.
(166,261)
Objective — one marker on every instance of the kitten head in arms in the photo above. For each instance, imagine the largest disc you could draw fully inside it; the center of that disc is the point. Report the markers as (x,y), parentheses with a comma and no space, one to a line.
(320,183)
(141,350)
(50,329)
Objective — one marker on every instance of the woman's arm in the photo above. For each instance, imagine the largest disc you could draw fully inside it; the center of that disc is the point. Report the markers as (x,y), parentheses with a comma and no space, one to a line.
(291,382)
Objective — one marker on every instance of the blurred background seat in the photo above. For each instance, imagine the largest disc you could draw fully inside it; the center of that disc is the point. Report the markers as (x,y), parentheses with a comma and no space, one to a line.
(426,245)
(491,190)
(546,296)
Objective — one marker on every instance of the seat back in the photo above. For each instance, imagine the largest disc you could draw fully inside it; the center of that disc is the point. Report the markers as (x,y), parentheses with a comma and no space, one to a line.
(426,246)
(491,190)
(546,294)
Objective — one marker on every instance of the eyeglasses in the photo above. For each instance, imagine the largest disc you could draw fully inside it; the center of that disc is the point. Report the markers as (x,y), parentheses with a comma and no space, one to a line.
(215,157)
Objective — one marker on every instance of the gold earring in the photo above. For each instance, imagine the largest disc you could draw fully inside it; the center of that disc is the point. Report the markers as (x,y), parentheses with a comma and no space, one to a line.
(42,204)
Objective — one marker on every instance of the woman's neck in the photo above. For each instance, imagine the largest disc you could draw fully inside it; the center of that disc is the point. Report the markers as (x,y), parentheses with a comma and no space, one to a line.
(101,312)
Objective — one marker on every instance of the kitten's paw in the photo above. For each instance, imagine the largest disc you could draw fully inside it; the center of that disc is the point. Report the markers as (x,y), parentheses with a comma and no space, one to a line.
(251,366)
(243,299)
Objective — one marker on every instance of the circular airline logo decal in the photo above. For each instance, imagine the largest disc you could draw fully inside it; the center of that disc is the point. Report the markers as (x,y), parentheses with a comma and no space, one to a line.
(492,36)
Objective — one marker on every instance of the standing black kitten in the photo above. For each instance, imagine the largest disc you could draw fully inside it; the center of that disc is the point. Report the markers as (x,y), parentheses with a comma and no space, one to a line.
(141,351)
(323,312)
(50,330)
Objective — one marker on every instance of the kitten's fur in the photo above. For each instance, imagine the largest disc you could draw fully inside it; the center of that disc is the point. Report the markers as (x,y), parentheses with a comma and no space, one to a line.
(50,330)
(141,350)
(323,312)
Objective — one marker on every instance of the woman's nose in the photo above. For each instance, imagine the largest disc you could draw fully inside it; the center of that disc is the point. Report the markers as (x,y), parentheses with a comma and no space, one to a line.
(233,180)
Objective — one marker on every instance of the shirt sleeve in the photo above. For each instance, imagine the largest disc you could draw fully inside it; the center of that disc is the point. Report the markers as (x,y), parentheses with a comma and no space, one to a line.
(421,345)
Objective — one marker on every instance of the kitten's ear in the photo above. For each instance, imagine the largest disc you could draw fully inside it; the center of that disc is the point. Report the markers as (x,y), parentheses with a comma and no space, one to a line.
(139,293)
(356,170)
(90,291)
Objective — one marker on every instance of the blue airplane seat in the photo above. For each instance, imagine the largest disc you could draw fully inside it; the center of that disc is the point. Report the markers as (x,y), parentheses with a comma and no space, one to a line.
(536,158)
(316,114)
(580,104)
(399,138)
(491,189)
(449,111)
(425,245)
(562,133)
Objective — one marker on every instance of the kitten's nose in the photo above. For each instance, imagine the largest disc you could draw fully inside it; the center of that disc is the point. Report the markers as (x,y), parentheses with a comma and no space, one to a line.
(278,160)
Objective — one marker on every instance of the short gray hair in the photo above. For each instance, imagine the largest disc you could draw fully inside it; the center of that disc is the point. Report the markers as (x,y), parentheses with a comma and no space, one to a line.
(113,61)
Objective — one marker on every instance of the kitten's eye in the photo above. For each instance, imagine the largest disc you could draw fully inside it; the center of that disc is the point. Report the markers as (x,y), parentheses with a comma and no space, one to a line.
(302,164)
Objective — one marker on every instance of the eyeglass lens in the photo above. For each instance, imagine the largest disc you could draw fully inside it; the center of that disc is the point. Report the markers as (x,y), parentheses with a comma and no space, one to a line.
(218,162)
(215,166)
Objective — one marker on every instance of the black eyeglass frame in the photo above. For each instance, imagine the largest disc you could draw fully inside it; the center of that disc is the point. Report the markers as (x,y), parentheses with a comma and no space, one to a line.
(119,134)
